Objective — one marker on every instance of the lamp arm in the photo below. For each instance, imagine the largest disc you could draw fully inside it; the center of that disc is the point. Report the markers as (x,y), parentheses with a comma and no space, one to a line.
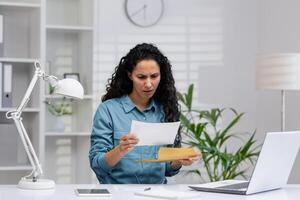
(16,116)
(33,159)
(37,74)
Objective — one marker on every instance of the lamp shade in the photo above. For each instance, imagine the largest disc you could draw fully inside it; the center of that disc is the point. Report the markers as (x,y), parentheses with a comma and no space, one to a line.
(69,87)
(278,71)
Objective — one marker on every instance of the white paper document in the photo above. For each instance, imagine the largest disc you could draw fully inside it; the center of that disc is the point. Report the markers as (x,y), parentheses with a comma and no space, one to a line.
(168,194)
(154,133)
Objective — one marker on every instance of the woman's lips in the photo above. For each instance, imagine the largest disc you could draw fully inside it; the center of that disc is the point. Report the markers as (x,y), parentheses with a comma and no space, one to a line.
(148,91)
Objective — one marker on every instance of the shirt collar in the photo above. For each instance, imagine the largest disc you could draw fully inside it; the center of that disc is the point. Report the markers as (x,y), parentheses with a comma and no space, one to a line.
(152,105)
(128,105)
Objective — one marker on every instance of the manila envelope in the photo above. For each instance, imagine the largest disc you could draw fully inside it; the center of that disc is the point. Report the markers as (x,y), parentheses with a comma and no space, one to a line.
(170,154)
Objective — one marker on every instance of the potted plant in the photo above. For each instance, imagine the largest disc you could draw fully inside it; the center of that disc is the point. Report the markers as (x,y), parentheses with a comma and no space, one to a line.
(203,130)
(62,111)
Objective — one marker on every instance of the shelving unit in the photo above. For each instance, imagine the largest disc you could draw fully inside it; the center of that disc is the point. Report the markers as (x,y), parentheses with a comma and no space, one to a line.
(59,97)
(20,47)
(61,28)
(69,49)
(19,4)
(25,110)
(16,168)
(21,26)
(70,12)
(60,34)
(68,134)
(17,60)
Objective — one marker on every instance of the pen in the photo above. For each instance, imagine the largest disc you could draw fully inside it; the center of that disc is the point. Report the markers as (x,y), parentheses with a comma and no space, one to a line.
(148,188)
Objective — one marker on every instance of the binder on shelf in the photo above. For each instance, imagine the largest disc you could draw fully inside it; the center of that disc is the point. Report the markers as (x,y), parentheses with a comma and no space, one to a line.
(7,85)
(1,84)
(1,36)
(1,29)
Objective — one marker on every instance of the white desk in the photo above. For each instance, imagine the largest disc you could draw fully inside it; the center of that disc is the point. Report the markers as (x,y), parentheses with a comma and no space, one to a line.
(126,192)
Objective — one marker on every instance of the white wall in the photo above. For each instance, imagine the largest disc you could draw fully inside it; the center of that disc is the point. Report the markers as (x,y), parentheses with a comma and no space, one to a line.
(233,84)
(181,34)
(279,32)
(249,27)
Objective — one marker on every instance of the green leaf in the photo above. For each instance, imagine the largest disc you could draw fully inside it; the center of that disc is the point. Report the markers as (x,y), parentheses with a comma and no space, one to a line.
(233,122)
(180,97)
(189,97)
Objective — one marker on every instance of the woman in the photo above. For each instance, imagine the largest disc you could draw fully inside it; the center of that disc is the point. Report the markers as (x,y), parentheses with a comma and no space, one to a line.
(141,88)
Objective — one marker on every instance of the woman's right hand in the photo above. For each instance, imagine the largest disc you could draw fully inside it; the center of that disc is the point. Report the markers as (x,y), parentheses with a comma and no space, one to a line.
(127,143)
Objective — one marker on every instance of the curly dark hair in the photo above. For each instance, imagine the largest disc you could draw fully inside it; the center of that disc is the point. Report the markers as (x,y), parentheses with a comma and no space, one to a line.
(120,84)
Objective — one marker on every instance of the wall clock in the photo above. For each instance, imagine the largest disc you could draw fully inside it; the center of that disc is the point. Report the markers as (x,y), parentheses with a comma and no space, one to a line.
(144,13)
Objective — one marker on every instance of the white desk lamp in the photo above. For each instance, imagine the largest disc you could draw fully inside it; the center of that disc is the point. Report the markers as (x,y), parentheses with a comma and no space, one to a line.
(66,87)
(279,72)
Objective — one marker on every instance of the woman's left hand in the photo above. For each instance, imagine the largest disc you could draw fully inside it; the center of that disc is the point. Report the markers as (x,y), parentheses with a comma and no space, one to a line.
(185,162)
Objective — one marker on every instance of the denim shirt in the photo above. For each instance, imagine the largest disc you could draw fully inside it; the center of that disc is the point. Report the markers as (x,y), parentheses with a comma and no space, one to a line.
(112,120)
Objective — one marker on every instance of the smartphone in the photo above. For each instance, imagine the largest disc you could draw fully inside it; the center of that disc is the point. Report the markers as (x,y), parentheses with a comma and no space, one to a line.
(92,192)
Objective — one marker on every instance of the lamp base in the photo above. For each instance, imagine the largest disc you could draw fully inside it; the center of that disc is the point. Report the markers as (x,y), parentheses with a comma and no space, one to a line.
(40,184)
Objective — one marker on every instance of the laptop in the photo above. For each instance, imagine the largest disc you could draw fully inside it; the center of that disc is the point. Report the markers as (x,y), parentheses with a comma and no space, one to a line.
(271,171)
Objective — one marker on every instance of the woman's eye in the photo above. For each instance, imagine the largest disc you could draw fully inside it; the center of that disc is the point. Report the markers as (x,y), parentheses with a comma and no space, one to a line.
(154,75)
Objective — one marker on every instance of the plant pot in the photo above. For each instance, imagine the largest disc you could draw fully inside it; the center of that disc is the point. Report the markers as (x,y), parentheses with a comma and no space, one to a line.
(62,123)
(58,124)
(67,121)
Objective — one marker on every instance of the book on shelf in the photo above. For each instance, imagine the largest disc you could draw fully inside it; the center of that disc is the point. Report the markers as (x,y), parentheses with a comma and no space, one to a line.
(7,85)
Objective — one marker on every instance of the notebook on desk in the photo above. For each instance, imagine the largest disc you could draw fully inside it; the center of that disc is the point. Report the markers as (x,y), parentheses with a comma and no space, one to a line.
(271,171)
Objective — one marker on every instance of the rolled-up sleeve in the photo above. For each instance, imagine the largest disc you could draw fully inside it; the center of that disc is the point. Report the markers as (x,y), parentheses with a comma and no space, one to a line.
(177,143)
(101,141)
(170,171)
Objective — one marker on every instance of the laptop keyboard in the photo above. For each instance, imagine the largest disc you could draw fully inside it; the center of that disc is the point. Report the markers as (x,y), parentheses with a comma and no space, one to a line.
(235,186)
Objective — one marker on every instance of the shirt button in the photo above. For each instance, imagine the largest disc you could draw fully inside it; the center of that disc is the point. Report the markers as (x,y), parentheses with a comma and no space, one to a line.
(144,118)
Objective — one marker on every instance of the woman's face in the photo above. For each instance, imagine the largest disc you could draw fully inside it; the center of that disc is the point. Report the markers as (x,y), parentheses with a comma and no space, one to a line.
(145,78)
